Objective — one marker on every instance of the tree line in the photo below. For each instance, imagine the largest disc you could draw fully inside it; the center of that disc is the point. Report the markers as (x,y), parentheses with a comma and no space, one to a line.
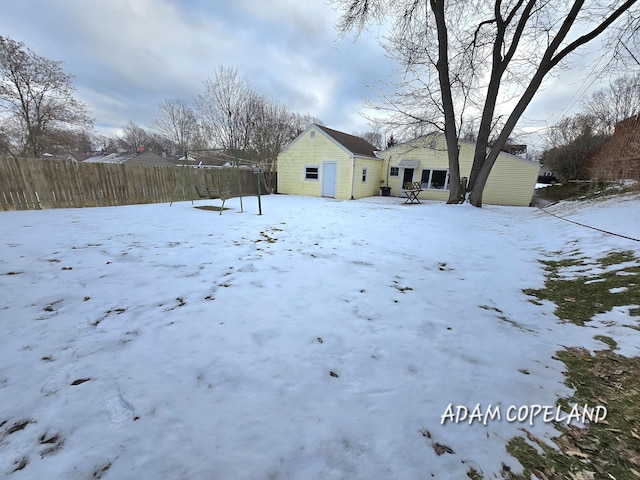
(39,114)
(572,145)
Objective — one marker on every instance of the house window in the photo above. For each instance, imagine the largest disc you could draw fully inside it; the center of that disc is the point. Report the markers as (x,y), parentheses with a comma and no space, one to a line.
(312,134)
(311,173)
(395,171)
(435,179)
(364,175)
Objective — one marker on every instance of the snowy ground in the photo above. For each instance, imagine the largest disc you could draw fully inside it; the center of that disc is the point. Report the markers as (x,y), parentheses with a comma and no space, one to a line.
(321,340)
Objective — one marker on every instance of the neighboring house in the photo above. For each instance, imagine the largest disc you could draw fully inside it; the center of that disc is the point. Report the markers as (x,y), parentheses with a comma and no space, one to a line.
(511,181)
(322,162)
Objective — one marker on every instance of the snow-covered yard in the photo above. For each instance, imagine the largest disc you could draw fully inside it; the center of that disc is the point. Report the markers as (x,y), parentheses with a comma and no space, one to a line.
(322,340)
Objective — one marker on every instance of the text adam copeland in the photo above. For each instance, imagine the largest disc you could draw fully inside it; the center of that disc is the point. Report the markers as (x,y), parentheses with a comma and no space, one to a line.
(523,414)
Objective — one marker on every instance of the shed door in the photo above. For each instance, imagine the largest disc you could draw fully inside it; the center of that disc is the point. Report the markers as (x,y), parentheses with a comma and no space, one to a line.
(329,173)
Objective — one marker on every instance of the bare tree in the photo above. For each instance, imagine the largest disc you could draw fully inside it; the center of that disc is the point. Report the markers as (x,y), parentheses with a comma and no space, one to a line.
(462,55)
(301,122)
(247,123)
(619,101)
(178,123)
(133,136)
(160,144)
(227,108)
(37,100)
(570,146)
(108,144)
(374,137)
(272,129)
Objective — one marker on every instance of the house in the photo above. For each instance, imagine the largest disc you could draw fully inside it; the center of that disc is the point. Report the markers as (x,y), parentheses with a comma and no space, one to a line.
(511,181)
(322,162)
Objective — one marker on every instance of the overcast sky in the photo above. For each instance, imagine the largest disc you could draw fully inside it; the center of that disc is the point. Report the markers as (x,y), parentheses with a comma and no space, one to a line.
(128,55)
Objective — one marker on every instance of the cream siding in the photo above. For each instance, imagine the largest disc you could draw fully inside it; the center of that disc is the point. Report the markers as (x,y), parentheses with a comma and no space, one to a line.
(511,181)
(308,150)
(345,173)
(372,186)
(431,155)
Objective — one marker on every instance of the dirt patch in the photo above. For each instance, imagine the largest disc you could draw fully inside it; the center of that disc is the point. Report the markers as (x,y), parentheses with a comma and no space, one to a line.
(20,464)
(100,472)
(17,426)
(117,311)
(266,237)
(212,208)
(51,443)
(80,381)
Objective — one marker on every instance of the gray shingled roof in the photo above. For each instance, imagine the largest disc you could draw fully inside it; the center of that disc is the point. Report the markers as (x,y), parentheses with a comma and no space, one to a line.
(149,158)
(354,144)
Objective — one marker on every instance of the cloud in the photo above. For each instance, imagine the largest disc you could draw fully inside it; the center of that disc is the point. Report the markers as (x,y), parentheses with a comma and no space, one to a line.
(128,56)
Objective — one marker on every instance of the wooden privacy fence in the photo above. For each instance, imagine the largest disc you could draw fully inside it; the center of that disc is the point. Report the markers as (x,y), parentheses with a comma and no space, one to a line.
(42,183)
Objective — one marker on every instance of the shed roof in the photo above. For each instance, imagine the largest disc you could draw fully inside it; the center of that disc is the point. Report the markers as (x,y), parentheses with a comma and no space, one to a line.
(356,145)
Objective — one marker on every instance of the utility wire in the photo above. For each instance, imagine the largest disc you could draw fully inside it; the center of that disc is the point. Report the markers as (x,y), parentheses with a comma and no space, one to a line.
(588,226)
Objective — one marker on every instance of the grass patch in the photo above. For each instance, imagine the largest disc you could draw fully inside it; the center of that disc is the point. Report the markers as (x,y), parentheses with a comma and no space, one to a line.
(551,463)
(212,208)
(579,297)
(613,345)
(580,190)
(607,449)
(473,474)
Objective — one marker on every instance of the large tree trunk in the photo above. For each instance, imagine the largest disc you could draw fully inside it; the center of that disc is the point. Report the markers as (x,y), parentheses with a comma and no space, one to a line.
(475,197)
(455,192)
(450,133)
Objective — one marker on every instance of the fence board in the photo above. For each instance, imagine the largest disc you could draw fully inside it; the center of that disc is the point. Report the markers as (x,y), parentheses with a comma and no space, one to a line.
(45,183)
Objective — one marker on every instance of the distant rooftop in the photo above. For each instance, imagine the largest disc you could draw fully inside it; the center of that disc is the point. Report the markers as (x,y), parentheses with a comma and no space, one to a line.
(146,158)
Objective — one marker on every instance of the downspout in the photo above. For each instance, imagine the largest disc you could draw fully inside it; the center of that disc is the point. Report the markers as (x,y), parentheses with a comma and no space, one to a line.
(388,169)
(353,175)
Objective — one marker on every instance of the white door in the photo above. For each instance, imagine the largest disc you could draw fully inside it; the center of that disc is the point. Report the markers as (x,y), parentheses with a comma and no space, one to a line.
(329,174)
